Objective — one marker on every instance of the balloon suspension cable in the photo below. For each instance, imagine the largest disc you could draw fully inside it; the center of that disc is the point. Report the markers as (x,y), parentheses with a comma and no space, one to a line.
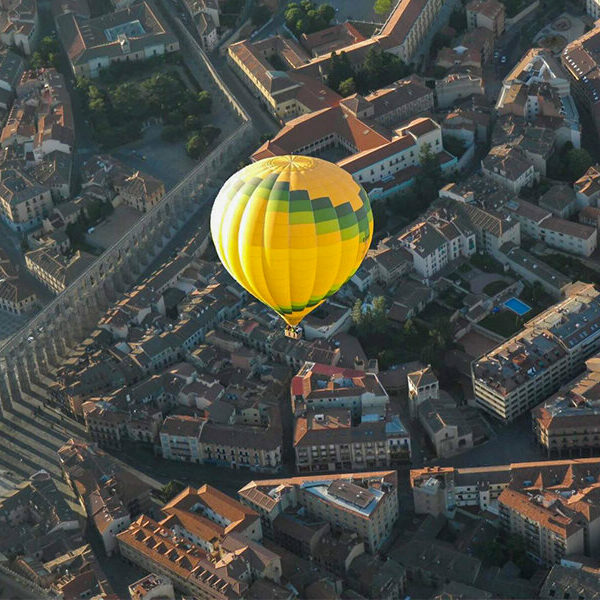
(293,332)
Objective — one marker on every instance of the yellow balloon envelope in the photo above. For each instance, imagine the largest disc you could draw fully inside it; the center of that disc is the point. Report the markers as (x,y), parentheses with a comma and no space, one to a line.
(292,230)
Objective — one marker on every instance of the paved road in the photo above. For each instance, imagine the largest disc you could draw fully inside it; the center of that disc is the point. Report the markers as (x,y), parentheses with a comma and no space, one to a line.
(262,121)
(512,443)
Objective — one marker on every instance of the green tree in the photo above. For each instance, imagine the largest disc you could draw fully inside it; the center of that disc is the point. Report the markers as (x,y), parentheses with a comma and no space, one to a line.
(379,68)
(170,490)
(192,123)
(578,162)
(97,104)
(46,54)
(356,313)
(429,178)
(382,7)
(127,98)
(210,133)
(454,145)
(326,13)
(379,315)
(195,145)
(307,17)
(340,70)
(204,102)
(347,87)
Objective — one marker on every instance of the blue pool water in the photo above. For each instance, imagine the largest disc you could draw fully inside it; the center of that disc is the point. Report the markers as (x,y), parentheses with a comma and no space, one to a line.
(517,306)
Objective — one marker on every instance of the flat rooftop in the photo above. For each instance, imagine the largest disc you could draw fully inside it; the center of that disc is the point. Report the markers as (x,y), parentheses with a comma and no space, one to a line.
(346,495)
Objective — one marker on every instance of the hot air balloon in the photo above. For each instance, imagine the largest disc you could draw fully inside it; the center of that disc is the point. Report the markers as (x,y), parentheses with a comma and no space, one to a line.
(292,230)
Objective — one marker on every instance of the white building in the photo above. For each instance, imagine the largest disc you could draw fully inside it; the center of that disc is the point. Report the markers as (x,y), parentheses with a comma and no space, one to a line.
(593,8)
(435,242)
(532,365)
(509,167)
(422,385)
(152,587)
(180,438)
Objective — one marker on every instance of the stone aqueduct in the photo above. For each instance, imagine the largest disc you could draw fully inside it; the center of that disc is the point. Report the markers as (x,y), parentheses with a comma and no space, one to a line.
(66,321)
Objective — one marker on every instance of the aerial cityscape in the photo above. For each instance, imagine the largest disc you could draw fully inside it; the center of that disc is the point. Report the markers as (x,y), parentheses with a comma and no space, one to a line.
(299,299)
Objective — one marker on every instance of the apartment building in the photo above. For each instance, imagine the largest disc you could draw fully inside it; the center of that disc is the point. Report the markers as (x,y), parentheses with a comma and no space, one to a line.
(568,236)
(55,270)
(538,66)
(457,86)
(205,16)
(285,94)
(254,448)
(553,524)
(510,167)
(534,270)
(227,572)
(580,59)
(140,191)
(134,33)
(570,419)
(592,8)
(16,296)
(180,438)
(436,241)
(397,102)
(332,441)
(407,27)
(548,352)
(318,387)
(23,201)
(110,495)
(493,228)
(587,187)
(539,223)
(486,13)
(444,489)
(206,514)
(551,504)
(559,200)
(32,509)
(530,216)
(152,587)
(20,26)
(365,503)
(382,161)
(570,575)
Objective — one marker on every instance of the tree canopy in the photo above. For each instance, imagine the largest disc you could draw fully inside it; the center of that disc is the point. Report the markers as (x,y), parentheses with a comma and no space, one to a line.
(47,53)
(383,7)
(379,68)
(307,17)
(578,162)
(347,87)
(118,111)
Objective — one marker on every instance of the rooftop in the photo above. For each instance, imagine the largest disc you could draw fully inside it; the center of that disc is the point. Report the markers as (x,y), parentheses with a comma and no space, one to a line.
(544,340)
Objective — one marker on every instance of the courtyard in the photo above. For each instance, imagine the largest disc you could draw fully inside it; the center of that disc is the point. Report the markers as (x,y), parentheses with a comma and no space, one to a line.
(167,162)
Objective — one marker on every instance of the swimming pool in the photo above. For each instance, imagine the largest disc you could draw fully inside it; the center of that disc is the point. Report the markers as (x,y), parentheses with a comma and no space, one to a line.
(517,306)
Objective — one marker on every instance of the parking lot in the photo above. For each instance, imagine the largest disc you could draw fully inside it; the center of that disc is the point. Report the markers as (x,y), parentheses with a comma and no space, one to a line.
(357,10)
(114,227)
(167,162)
